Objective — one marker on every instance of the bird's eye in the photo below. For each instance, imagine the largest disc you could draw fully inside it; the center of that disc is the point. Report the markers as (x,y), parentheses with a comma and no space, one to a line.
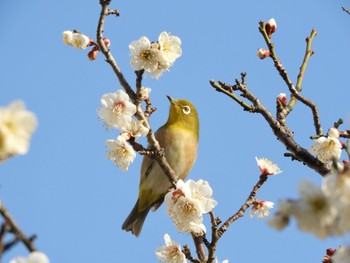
(186,110)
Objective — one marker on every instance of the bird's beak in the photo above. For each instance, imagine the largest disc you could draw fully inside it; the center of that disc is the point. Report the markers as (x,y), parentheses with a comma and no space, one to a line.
(172,101)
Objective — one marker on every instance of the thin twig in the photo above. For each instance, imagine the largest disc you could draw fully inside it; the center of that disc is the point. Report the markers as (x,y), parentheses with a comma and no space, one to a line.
(283,73)
(16,229)
(218,87)
(188,255)
(346,10)
(244,207)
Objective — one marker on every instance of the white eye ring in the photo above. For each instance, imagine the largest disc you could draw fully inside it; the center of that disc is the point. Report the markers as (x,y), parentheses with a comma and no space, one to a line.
(186,110)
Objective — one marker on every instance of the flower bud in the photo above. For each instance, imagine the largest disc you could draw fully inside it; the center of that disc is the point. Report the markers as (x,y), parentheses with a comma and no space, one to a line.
(282,98)
(106,41)
(330,251)
(270,27)
(263,53)
(92,55)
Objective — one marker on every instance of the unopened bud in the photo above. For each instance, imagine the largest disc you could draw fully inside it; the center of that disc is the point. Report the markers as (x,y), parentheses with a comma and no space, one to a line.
(92,55)
(263,53)
(282,98)
(107,42)
(330,251)
(270,27)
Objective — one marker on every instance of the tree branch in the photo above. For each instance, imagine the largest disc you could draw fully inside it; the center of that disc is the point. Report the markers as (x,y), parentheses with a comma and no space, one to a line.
(15,229)
(283,73)
(283,134)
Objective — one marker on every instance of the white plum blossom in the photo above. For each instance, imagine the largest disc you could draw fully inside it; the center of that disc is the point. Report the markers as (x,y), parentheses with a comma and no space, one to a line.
(187,203)
(327,148)
(170,46)
(120,152)
(145,55)
(281,219)
(314,212)
(261,208)
(116,110)
(33,257)
(80,41)
(135,129)
(337,187)
(67,37)
(155,57)
(16,128)
(267,167)
(145,91)
(170,252)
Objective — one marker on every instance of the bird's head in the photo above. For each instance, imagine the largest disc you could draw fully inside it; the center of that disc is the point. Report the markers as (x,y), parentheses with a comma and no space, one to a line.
(183,115)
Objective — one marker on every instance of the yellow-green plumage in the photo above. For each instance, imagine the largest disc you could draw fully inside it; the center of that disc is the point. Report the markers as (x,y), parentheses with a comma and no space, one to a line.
(179,138)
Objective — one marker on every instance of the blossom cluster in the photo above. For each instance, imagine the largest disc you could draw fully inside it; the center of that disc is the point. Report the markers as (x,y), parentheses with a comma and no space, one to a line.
(187,203)
(16,128)
(33,257)
(76,40)
(117,113)
(323,211)
(155,57)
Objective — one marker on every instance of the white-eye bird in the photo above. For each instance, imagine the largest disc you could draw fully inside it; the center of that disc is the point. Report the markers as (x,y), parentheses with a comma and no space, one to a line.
(179,139)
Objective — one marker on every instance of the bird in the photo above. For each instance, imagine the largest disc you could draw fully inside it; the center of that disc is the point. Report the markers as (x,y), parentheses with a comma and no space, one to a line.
(179,139)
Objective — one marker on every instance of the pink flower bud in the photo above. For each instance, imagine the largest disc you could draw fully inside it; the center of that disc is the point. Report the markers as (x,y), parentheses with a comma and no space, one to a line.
(282,98)
(330,251)
(270,27)
(107,42)
(92,55)
(263,53)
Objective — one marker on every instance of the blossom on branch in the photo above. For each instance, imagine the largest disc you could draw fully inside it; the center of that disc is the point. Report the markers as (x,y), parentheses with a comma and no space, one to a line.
(80,41)
(170,252)
(120,152)
(68,37)
(261,208)
(155,57)
(263,53)
(135,129)
(314,212)
(170,46)
(327,148)
(267,167)
(75,39)
(16,128)
(145,91)
(270,27)
(187,203)
(116,110)
(282,98)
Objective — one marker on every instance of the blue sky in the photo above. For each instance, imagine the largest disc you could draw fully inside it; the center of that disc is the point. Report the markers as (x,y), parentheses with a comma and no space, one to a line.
(75,200)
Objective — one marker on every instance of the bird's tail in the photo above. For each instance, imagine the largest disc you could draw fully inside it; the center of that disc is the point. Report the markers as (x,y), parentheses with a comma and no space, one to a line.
(135,220)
